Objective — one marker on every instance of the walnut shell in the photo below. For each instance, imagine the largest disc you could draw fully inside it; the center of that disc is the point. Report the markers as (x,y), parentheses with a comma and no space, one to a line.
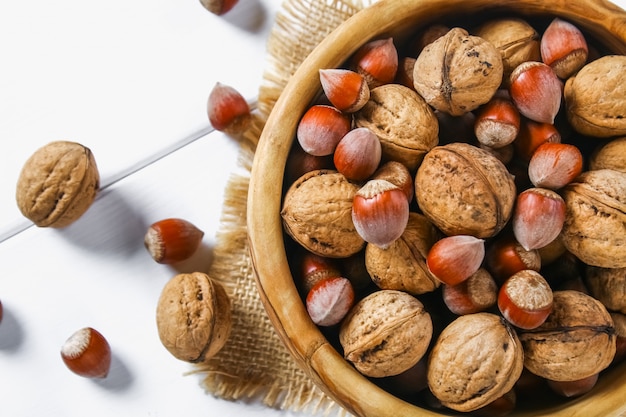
(595,222)
(404,123)
(402,266)
(458,72)
(576,341)
(193,317)
(610,156)
(607,285)
(594,97)
(386,333)
(317,213)
(476,359)
(57,184)
(515,39)
(465,190)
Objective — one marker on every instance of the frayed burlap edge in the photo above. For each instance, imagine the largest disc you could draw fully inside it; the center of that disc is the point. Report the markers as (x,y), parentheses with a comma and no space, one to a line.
(254,364)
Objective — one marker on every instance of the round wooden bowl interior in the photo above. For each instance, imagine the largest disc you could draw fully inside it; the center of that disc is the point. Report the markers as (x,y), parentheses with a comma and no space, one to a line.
(602,20)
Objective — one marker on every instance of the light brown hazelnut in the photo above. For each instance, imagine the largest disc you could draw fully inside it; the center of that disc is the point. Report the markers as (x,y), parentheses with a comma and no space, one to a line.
(515,39)
(607,285)
(386,333)
(317,213)
(193,317)
(610,156)
(576,341)
(465,190)
(404,123)
(594,97)
(458,72)
(57,184)
(402,266)
(476,359)
(595,223)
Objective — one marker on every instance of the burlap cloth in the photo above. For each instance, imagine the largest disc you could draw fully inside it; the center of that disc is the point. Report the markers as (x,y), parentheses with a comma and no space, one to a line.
(254,364)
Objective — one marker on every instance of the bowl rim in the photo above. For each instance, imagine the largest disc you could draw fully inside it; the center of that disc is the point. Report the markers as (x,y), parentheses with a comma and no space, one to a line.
(278,293)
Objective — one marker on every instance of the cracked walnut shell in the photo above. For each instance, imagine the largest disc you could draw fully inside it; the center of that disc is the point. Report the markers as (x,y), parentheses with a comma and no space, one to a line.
(193,317)
(458,72)
(57,184)
(386,333)
(576,341)
(476,359)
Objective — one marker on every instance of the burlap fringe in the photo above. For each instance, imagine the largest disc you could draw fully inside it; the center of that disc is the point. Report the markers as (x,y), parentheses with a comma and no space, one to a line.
(255,364)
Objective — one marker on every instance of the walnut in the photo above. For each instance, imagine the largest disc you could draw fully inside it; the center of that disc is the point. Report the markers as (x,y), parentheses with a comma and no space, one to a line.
(595,222)
(402,266)
(476,359)
(57,184)
(515,39)
(610,156)
(594,97)
(465,190)
(607,285)
(193,317)
(386,333)
(576,341)
(458,72)
(317,213)
(404,123)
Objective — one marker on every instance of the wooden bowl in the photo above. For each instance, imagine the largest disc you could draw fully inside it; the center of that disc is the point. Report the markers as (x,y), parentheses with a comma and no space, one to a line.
(325,365)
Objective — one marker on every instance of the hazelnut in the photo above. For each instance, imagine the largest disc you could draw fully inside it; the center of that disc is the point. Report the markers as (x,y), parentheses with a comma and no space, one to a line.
(477,293)
(228,110)
(377,61)
(57,184)
(380,212)
(345,89)
(193,317)
(386,333)
(87,353)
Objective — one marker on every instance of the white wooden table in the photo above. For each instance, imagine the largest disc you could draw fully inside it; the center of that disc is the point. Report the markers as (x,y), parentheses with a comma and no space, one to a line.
(128,79)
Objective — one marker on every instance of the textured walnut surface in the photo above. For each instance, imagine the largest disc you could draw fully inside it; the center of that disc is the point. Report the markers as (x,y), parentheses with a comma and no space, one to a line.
(576,341)
(193,317)
(317,213)
(595,97)
(386,333)
(465,190)
(406,126)
(458,72)
(595,223)
(57,184)
(476,359)
(402,266)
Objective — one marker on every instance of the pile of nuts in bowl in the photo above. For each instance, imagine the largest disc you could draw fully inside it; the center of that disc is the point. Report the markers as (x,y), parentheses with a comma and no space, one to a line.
(455,213)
